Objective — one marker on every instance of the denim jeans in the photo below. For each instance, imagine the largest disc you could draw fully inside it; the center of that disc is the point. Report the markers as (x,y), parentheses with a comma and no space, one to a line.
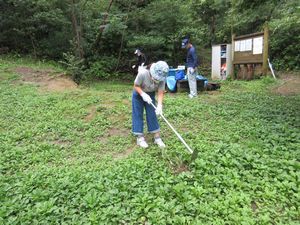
(138,106)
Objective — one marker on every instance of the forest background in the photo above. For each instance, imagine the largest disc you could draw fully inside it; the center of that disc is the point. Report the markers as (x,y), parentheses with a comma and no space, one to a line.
(97,38)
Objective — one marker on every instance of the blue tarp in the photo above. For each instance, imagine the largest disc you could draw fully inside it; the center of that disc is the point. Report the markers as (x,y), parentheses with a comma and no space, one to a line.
(175,74)
(172,82)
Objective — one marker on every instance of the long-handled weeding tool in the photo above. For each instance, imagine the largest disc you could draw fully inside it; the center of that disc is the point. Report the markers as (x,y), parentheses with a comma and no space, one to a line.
(192,152)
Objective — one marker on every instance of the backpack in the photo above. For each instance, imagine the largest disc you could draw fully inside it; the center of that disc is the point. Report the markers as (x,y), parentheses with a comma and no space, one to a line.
(179,75)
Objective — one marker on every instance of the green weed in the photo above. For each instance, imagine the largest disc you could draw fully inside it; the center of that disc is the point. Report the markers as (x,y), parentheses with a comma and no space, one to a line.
(58,167)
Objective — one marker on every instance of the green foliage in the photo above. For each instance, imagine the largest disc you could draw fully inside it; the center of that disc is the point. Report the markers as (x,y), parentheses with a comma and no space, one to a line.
(36,27)
(210,14)
(74,66)
(46,28)
(58,167)
(285,40)
(103,69)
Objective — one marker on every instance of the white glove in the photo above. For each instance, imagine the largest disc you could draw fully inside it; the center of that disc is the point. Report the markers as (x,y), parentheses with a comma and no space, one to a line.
(191,70)
(146,97)
(133,67)
(141,68)
(158,110)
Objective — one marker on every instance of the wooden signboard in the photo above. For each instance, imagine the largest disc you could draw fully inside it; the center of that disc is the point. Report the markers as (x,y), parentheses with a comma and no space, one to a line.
(250,52)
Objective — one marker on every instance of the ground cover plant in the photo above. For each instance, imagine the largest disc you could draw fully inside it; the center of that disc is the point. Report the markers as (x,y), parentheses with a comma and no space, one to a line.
(68,157)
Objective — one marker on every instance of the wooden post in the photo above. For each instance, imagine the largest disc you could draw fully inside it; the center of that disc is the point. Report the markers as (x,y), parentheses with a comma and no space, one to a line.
(232,57)
(266,49)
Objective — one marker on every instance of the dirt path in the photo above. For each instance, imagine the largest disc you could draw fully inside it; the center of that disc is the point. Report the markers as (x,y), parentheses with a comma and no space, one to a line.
(47,79)
(290,84)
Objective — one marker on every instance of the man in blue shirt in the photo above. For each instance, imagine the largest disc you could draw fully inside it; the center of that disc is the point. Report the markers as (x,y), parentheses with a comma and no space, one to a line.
(192,63)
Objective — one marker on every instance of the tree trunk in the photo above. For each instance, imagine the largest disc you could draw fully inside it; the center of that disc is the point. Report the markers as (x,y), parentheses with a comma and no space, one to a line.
(102,26)
(213,30)
(122,40)
(77,32)
(33,45)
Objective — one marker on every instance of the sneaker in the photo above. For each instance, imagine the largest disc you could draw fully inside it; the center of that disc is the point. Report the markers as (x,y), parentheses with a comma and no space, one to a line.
(140,141)
(192,96)
(159,142)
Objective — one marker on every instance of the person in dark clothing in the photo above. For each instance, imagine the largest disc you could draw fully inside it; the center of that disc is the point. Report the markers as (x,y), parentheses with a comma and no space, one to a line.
(141,60)
(192,63)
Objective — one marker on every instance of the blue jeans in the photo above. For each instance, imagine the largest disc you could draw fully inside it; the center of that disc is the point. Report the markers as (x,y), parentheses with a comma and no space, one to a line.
(138,106)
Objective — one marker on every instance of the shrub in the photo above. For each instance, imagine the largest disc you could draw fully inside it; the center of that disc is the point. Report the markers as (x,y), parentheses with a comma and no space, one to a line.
(74,66)
(103,69)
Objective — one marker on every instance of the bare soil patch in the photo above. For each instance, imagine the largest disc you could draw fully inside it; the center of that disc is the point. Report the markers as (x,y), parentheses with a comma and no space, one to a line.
(124,155)
(290,85)
(254,206)
(113,132)
(212,96)
(61,143)
(118,132)
(47,79)
(181,169)
(91,115)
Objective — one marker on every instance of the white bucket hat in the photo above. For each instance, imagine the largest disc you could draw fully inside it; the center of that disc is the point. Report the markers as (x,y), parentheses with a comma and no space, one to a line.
(159,70)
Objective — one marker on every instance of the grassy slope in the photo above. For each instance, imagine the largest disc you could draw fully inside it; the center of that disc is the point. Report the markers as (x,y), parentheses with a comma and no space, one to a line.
(59,164)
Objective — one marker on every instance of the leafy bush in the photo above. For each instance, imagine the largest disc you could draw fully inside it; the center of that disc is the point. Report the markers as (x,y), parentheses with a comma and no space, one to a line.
(74,66)
(103,69)
(284,38)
